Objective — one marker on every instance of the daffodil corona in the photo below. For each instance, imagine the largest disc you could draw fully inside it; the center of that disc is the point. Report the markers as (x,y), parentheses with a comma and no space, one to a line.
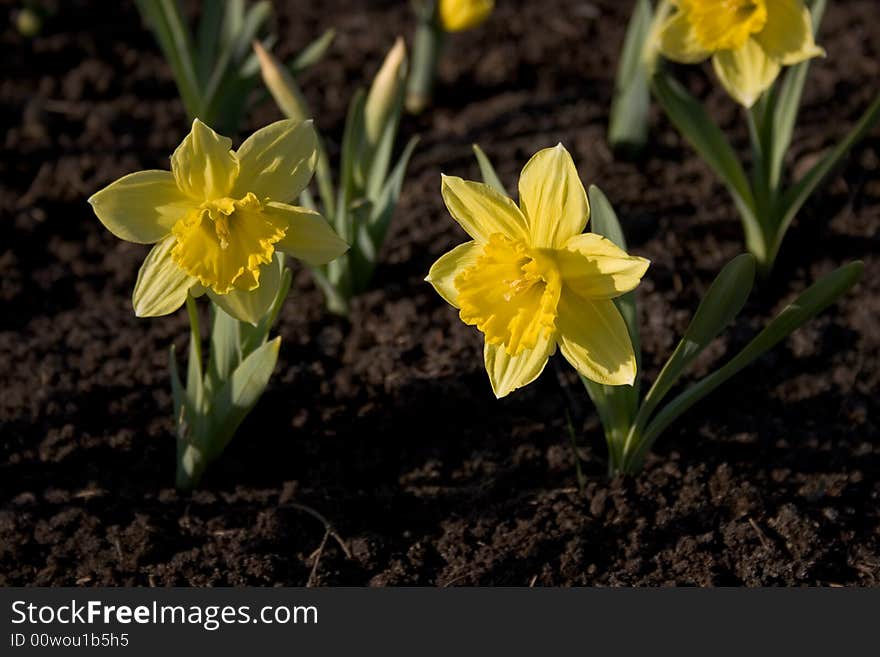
(531,280)
(218,218)
(749,41)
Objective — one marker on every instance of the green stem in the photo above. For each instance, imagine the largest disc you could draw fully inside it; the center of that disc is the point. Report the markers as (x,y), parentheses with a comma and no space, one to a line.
(427,46)
(194,332)
(765,198)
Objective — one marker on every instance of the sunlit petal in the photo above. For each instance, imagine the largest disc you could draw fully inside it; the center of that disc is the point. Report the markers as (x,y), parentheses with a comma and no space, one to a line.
(552,198)
(593,337)
(482,211)
(309,237)
(451,264)
(507,373)
(595,268)
(204,165)
(745,73)
(141,207)
(277,161)
(161,286)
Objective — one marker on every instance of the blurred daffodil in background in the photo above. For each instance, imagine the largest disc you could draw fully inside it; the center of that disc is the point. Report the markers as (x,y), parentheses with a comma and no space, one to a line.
(459,15)
(435,19)
(749,41)
(218,218)
(531,280)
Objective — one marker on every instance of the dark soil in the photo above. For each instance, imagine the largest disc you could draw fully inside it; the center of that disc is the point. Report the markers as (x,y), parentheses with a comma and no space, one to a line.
(387,425)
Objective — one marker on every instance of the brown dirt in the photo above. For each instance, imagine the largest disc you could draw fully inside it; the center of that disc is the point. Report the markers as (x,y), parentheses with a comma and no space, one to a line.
(387,425)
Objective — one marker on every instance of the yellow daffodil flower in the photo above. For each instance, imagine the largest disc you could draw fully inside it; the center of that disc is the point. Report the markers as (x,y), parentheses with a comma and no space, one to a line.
(460,15)
(218,218)
(749,41)
(531,279)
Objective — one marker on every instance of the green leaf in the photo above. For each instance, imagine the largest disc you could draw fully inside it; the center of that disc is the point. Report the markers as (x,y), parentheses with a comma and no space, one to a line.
(380,159)
(235,399)
(208,38)
(809,304)
(786,104)
(798,194)
(383,207)
(349,187)
(692,121)
(604,222)
(616,405)
(628,129)
(721,303)
(225,348)
(487,171)
(254,336)
(312,53)
(166,21)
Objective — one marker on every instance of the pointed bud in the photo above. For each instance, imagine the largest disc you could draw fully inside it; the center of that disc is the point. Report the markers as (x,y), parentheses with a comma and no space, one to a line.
(281,85)
(385,92)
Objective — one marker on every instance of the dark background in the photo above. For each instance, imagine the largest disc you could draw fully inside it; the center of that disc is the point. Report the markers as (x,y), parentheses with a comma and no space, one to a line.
(387,425)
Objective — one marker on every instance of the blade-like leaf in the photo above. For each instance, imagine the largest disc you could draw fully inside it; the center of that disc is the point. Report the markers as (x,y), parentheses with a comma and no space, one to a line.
(487,171)
(692,121)
(787,103)
(173,35)
(628,128)
(616,405)
(798,194)
(232,402)
(208,38)
(721,303)
(312,53)
(225,348)
(383,208)
(604,222)
(380,159)
(349,187)
(810,303)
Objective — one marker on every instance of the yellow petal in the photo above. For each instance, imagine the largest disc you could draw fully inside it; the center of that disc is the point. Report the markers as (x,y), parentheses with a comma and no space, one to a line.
(596,268)
(552,198)
(204,165)
(745,73)
(480,210)
(678,41)
(458,15)
(141,207)
(451,264)
(277,161)
(788,34)
(161,286)
(593,337)
(251,306)
(309,237)
(507,373)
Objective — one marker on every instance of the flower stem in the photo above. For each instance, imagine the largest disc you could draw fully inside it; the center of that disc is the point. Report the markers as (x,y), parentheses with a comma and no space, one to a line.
(427,44)
(195,334)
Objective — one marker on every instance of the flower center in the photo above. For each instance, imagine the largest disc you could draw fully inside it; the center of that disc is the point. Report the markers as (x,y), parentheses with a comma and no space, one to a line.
(510,294)
(725,24)
(225,241)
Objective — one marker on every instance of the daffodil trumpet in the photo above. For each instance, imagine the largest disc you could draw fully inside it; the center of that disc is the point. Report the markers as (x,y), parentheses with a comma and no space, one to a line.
(361,203)
(631,424)
(750,42)
(220,223)
(434,20)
